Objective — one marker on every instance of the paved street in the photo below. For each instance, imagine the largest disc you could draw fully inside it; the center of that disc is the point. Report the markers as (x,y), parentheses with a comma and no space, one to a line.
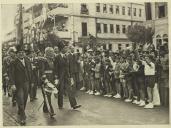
(96,110)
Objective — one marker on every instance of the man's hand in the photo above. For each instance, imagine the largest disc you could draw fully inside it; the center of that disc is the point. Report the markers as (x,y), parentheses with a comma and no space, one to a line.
(72,81)
(32,85)
(13,88)
(56,82)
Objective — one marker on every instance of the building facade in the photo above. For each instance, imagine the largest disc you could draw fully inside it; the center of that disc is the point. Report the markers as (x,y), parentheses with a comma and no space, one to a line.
(157,17)
(107,22)
(10,38)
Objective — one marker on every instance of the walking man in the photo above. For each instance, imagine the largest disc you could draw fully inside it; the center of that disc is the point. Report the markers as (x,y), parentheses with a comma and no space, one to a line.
(20,80)
(65,80)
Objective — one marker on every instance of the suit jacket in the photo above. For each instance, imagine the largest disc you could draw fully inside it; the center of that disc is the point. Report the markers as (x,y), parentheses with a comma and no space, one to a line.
(107,70)
(19,74)
(61,67)
(73,63)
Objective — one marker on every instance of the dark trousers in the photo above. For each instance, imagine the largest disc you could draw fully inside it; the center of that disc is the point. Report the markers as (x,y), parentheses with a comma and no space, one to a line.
(66,86)
(5,85)
(33,91)
(14,95)
(21,96)
(75,76)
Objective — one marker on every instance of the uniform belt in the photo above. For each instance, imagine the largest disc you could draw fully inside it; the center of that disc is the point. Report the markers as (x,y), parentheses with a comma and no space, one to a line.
(48,71)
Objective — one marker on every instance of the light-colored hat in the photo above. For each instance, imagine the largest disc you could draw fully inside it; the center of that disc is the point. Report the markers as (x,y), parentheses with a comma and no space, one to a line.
(90,50)
(49,52)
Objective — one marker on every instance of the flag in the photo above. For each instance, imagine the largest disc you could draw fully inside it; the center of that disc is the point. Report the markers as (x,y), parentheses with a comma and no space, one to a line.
(44,15)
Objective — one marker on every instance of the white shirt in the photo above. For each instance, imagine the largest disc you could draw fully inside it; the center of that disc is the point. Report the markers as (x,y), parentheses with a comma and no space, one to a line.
(23,62)
(149,70)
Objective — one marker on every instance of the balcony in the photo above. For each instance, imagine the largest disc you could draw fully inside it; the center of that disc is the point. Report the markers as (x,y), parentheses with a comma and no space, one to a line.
(63,34)
(58,9)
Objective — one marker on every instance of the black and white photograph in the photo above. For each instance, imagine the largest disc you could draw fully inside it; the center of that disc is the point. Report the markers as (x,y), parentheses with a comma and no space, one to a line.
(92,63)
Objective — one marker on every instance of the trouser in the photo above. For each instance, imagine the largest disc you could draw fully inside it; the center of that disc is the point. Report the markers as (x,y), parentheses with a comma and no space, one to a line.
(21,96)
(75,77)
(97,84)
(108,86)
(33,91)
(125,89)
(141,87)
(118,86)
(49,102)
(5,85)
(14,95)
(86,82)
(113,86)
(130,87)
(149,83)
(64,84)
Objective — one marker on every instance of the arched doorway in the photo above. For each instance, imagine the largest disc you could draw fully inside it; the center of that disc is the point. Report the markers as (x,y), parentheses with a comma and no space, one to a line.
(158,41)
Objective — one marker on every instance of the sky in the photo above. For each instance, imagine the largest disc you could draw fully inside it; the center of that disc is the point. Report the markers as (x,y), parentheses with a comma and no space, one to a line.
(8,12)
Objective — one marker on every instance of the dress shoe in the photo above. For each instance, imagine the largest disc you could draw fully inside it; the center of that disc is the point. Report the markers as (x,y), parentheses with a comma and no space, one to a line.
(31,99)
(77,106)
(60,107)
(35,98)
(52,114)
(14,104)
(18,112)
(23,122)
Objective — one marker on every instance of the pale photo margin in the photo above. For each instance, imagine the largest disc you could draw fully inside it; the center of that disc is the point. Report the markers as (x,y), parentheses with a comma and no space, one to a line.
(89,1)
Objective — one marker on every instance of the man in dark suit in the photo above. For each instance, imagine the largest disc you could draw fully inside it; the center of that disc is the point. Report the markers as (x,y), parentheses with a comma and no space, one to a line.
(65,81)
(34,65)
(74,67)
(20,80)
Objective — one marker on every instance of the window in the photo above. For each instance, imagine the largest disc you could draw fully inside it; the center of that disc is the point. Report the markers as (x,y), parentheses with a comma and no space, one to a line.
(119,46)
(104,47)
(111,28)
(105,28)
(129,11)
(98,28)
(84,29)
(117,9)
(105,8)
(165,38)
(123,10)
(161,11)
(123,29)
(111,9)
(84,9)
(148,11)
(110,46)
(140,12)
(117,29)
(127,45)
(98,7)
(134,11)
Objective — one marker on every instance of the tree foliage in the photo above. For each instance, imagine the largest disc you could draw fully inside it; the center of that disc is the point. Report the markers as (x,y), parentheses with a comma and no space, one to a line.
(140,34)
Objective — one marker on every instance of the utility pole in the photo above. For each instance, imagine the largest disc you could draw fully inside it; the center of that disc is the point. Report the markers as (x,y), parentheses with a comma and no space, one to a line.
(20,25)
